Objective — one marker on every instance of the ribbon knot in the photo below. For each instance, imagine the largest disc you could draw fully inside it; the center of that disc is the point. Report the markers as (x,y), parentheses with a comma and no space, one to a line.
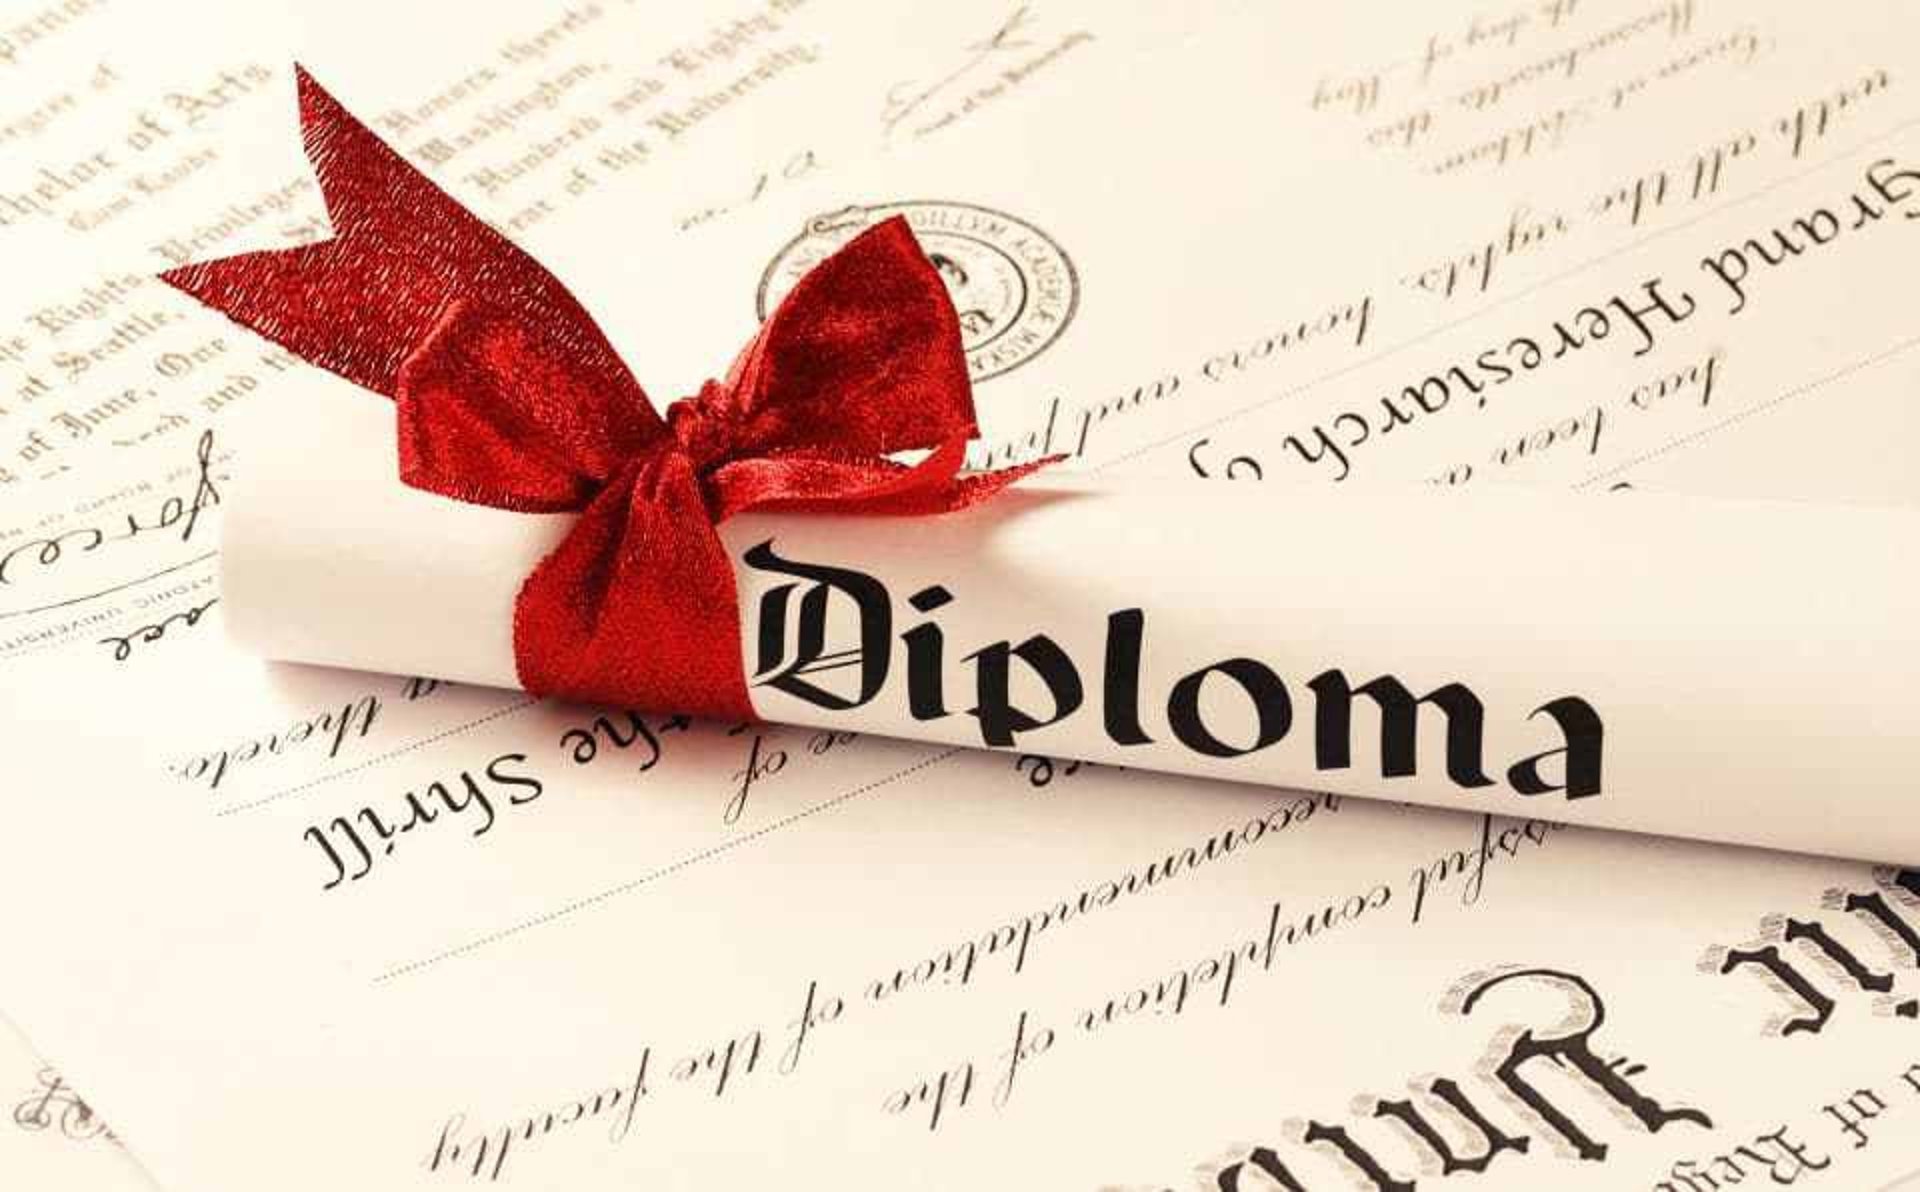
(705,426)
(507,394)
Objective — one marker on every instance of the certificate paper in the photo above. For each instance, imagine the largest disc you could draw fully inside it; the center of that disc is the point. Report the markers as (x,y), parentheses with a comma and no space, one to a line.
(52,1138)
(582,946)
(114,149)
(139,138)
(100,145)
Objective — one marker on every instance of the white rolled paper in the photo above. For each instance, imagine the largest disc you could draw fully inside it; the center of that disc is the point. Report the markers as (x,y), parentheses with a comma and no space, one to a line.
(1741,672)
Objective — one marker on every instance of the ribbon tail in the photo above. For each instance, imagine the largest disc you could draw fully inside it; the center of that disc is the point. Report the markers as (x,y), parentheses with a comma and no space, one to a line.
(826,484)
(936,485)
(971,489)
(402,251)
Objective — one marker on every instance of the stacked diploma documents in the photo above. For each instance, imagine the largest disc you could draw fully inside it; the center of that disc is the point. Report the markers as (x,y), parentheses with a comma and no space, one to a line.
(816,595)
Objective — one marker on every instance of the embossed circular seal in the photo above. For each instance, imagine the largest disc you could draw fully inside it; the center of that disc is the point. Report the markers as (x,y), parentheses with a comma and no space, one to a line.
(1014,288)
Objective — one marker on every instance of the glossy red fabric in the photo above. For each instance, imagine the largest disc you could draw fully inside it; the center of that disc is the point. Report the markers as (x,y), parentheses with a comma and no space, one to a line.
(507,394)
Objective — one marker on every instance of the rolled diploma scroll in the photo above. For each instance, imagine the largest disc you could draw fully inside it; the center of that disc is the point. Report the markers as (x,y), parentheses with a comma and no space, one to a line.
(1742,672)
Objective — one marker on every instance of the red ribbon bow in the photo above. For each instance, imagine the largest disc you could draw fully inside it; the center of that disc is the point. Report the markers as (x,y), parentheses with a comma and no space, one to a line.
(507,394)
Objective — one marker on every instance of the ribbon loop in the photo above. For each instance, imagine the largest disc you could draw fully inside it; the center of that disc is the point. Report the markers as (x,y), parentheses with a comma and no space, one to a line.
(507,394)
(490,410)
